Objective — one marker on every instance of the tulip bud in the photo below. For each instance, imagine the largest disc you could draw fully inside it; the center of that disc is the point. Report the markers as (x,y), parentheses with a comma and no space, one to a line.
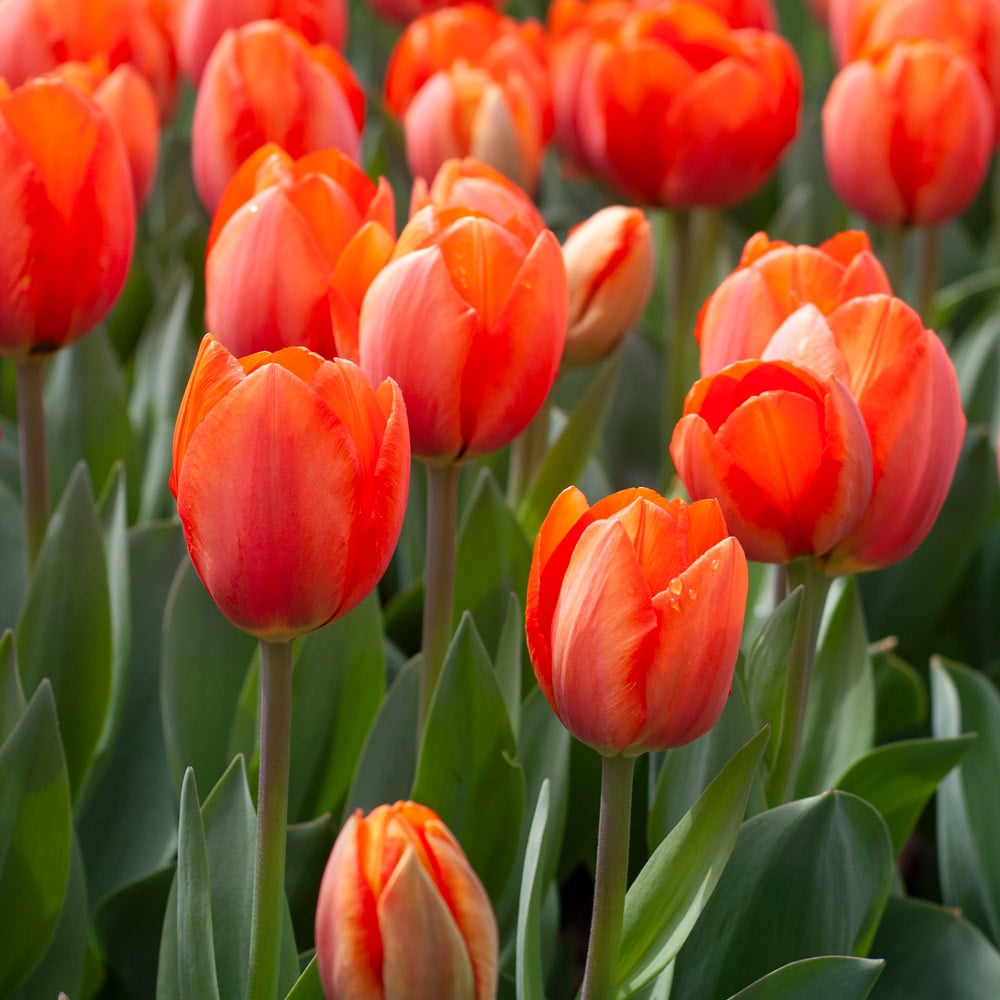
(401,913)
(610,273)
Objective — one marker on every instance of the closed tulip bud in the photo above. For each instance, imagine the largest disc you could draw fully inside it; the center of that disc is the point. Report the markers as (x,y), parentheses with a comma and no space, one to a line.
(772,281)
(401,914)
(785,451)
(291,476)
(634,613)
(610,271)
(69,222)
(469,317)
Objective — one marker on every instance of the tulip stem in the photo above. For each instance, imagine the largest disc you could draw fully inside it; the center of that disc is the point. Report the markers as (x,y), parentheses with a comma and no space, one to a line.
(895,258)
(34,454)
(439,579)
(526,454)
(610,880)
(930,245)
(267,916)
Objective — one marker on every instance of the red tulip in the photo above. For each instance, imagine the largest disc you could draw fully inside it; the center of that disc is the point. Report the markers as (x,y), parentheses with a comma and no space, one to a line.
(291,475)
(469,317)
(401,913)
(739,13)
(785,451)
(293,248)
(633,617)
(69,217)
(404,11)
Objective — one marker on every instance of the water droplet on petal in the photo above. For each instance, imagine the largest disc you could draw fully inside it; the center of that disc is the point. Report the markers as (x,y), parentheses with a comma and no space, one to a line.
(676,586)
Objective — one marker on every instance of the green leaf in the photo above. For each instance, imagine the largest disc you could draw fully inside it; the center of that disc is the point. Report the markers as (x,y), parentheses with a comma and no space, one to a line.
(508,663)
(831,977)
(968,807)
(307,852)
(35,837)
(900,695)
(307,986)
(15,559)
(665,899)
(898,779)
(530,976)
(466,770)
(65,629)
(815,873)
(12,701)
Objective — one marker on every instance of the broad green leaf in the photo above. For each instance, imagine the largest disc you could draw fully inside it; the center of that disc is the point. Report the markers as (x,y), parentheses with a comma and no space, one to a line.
(815,873)
(832,977)
(12,701)
(968,807)
(977,364)
(900,695)
(466,770)
(65,629)
(35,837)
(508,663)
(307,986)
(307,852)
(15,559)
(898,779)
(530,975)
(664,901)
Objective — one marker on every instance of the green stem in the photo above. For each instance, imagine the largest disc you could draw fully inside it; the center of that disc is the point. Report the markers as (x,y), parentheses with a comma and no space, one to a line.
(526,453)
(611,878)
(267,915)
(781,783)
(439,579)
(930,246)
(895,258)
(34,454)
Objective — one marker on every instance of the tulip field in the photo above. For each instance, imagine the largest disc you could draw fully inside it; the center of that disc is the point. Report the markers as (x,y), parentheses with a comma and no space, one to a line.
(499,500)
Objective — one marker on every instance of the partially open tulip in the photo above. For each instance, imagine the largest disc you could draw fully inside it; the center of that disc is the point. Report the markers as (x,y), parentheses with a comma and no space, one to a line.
(469,317)
(785,451)
(610,270)
(908,135)
(293,248)
(633,618)
(774,279)
(69,216)
(401,914)
(291,475)
(265,83)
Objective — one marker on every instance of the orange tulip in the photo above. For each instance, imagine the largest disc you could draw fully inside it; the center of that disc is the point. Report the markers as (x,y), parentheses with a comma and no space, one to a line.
(265,83)
(908,135)
(633,617)
(772,280)
(293,248)
(401,914)
(404,11)
(738,13)
(469,317)
(291,476)
(201,23)
(610,270)
(785,451)
(69,216)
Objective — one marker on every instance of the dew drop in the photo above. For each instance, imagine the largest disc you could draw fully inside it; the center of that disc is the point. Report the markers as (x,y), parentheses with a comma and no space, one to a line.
(692,594)
(676,586)
(714,564)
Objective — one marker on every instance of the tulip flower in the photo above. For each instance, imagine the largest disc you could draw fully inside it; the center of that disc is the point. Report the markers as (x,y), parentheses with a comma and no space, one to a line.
(774,279)
(265,83)
(293,248)
(908,135)
(201,23)
(610,270)
(634,615)
(785,451)
(739,13)
(291,475)
(404,11)
(401,914)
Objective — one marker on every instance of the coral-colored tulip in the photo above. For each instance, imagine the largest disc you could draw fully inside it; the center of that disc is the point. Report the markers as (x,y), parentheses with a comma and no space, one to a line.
(785,451)
(291,476)
(69,216)
(669,104)
(404,11)
(738,13)
(201,23)
(908,135)
(293,248)
(265,83)
(774,279)
(401,914)
(610,269)
(633,617)
(469,317)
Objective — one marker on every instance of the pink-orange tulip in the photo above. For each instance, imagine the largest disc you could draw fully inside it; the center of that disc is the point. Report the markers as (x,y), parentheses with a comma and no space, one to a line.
(293,248)
(291,476)
(785,451)
(739,13)
(401,914)
(265,83)
(633,618)
(774,279)
(469,317)
(908,135)
(610,269)
(69,217)
(404,11)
